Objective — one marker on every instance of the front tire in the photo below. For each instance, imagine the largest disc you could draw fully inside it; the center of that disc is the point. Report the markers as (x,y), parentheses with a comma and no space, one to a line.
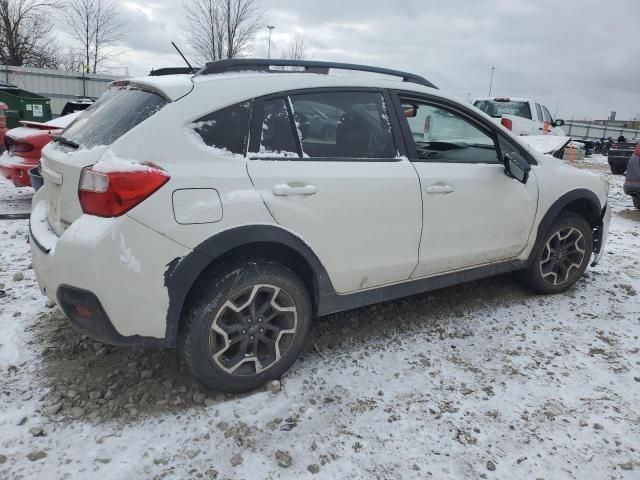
(636,202)
(248,325)
(618,170)
(562,255)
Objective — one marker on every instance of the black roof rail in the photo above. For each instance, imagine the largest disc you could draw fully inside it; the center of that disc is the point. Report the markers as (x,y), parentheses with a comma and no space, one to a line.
(158,72)
(309,66)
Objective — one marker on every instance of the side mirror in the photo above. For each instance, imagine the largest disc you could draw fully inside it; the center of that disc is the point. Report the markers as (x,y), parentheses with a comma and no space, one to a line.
(515,166)
(410,111)
(558,123)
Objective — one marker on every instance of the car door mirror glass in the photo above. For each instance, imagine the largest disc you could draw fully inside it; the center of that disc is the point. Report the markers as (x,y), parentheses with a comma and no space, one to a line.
(517,167)
(558,123)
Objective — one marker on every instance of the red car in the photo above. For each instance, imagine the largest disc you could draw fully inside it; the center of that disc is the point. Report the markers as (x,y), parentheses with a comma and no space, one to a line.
(23,147)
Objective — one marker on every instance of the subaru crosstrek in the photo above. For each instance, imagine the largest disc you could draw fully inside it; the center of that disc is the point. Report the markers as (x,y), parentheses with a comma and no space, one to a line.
(221,212)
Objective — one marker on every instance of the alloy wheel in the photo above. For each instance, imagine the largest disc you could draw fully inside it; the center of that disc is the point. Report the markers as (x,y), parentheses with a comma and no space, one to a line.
(253,329)
(562,254)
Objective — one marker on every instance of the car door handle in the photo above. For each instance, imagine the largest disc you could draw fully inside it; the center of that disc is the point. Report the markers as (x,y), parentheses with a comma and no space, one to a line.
(439,188)
(283,190)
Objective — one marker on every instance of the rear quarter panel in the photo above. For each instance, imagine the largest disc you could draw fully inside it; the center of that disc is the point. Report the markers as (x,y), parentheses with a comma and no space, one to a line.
(170,143)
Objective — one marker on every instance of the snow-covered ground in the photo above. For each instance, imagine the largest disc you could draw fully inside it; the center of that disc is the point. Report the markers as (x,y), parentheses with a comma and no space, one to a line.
(482,380)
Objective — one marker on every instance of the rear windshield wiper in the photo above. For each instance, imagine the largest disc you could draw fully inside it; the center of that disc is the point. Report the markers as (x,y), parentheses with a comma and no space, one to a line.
(65,141)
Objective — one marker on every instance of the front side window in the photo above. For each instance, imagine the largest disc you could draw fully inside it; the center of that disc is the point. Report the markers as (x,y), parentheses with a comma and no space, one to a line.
(547,115)
(226,129)
(276,137)
(444,136)
(343,125)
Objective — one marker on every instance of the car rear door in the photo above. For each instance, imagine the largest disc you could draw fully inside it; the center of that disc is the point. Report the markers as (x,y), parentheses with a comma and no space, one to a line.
(473,214)
(339,181)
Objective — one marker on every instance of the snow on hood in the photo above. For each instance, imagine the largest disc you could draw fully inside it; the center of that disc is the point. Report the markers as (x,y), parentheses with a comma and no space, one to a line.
(545,143)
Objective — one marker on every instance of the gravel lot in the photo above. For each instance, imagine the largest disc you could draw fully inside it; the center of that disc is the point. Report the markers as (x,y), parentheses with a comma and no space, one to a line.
(482,380)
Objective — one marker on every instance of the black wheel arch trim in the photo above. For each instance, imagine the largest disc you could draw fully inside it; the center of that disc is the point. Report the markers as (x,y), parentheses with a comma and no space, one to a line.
(597,211)
(182,272)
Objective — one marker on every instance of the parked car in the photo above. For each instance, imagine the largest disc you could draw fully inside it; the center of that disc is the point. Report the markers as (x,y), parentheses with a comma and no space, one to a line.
(619,155)
(77,105)
(229,232)
(23,146)
(632,180)
(520,115)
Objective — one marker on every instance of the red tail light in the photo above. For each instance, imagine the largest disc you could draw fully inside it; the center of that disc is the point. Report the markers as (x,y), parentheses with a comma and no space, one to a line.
(111,194)
(636,151)
(17,146)
(506,123)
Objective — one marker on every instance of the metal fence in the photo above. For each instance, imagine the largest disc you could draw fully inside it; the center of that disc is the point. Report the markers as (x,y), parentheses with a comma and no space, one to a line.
(60,86)
(590,130)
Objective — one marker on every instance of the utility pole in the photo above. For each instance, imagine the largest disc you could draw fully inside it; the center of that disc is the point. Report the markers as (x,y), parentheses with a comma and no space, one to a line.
(491,81)
(270,27)
(555,114)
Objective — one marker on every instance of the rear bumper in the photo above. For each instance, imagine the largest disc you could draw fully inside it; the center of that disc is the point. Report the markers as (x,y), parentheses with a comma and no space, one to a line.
(115,266)
(16,169)
(84,311)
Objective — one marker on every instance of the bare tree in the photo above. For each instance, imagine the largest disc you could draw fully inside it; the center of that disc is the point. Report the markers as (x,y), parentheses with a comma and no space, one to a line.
(205,28)
(219,29)
(26,33)
(108,31)
(297,49)
(96,26)
(72,60)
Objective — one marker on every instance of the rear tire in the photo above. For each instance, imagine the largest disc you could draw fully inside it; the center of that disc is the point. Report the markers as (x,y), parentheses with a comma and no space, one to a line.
(562,255)
(618,170)
(247,325)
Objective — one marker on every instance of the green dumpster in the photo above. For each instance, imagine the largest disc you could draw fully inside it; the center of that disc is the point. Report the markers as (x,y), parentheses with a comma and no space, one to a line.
(23,105)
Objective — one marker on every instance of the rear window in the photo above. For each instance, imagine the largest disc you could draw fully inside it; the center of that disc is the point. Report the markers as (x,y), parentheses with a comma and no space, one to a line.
(116,112)
(498,108)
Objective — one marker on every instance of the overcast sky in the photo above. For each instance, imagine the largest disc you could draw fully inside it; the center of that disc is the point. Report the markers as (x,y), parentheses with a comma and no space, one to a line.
(585,54)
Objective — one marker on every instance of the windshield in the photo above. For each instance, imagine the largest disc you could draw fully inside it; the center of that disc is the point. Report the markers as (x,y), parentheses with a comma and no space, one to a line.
(498,108)
(116,112)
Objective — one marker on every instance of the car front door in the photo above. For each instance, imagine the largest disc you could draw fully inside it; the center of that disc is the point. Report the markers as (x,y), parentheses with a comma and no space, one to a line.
(338,180)
(473,214)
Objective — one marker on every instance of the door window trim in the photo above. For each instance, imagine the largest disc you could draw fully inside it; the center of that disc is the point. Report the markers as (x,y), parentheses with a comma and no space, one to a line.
(255,129)
(476,120)
(258,114)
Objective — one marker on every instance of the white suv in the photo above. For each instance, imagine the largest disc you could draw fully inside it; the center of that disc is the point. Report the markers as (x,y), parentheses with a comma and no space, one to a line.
(222,212)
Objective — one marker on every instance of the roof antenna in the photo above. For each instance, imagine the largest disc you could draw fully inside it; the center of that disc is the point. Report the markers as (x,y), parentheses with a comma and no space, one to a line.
(183,57)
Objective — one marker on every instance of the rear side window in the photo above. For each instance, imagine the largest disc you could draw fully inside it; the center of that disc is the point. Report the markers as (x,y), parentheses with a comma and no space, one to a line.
(343,125)
(277,137)
(116,112)
(226,129)
(497,108)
